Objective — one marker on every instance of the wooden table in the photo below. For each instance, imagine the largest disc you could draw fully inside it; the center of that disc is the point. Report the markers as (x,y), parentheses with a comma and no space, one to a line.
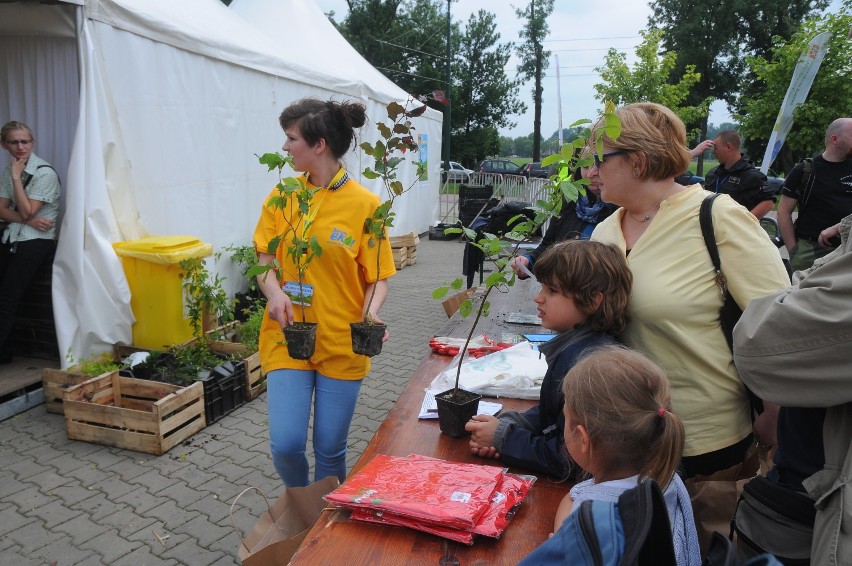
(336,539)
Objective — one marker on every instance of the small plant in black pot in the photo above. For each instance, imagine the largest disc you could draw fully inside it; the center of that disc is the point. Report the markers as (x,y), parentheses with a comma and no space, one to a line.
(294,200)
(388,153)
(456,406)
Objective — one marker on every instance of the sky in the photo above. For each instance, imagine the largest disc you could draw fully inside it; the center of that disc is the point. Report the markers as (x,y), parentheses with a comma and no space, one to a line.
(580,35)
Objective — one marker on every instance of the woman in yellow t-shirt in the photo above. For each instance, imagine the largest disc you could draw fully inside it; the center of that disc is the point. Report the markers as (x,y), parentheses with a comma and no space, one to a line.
(318,134)
(674,307)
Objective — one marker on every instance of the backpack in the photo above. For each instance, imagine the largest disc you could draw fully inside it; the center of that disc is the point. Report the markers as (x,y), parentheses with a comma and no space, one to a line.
(635,530)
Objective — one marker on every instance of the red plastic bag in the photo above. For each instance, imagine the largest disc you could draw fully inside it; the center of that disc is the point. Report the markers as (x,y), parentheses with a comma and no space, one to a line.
(384,518)
(449,494)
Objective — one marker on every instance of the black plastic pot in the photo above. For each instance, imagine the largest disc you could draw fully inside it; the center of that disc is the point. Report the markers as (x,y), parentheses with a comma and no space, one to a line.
(301,339)
(455,408)
(367,338)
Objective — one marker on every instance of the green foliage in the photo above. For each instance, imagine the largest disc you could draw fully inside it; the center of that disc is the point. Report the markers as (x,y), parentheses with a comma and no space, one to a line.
(245,257)
(388,153)
(560,188)
(534,59)
(294,200)
(830,95)
(652,79)
(95,366)
(249,331)
(203,294)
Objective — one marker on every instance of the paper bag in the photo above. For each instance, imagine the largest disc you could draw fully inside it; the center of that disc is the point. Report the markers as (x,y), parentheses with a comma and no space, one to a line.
(452,304)
(281,529)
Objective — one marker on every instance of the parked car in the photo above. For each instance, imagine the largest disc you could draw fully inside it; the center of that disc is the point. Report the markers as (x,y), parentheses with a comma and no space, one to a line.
(457,173)
(501,166)
(534,169)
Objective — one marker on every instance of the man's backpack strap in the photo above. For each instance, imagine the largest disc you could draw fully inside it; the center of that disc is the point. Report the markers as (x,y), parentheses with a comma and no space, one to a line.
(647,530)
(807,183)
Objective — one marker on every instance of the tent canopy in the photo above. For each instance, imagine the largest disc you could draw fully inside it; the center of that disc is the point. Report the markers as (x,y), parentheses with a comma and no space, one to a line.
(153,112)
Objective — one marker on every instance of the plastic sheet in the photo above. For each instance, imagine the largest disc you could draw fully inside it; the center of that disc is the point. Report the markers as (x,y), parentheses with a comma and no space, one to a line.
(449,494)
(510,492)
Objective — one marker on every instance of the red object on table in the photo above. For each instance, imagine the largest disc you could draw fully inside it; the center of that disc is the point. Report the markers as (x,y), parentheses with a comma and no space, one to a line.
(442,347)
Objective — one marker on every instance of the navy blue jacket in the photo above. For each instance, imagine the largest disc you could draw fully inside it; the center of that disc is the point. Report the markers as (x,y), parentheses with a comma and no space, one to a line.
(534,440)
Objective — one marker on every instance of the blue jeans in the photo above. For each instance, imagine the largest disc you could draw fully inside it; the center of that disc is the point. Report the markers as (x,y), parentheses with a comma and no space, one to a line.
(289,395)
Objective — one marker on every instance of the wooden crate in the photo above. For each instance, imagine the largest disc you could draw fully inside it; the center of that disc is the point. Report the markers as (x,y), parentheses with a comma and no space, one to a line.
(255,380)
(54,382)
(134,414)
(405,241)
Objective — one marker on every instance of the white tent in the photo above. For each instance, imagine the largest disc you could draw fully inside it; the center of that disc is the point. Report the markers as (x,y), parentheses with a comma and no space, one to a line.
(152,112)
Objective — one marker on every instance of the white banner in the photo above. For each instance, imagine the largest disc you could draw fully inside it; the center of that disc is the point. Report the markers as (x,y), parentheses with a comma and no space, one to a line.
(800,85)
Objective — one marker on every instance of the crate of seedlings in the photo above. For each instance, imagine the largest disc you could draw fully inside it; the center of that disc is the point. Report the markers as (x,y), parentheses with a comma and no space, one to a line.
(56,381)
(134,414)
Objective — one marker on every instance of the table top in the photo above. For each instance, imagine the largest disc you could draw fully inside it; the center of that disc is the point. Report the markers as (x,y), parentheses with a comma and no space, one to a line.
(336,539)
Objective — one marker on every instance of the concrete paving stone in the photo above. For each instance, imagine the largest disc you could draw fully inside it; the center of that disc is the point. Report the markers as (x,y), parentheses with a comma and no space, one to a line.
(150,541)
(97,506)
(269,483)
(228,469)
(24,468)
(141,500)
(65,554)
(127,468)
(48,480)
(103,458)
(44,453)
(251,429)
(238,454)
(170,515)
(154,480)
(189,552)
(82,449)
(208,443)
(53,513)
(201,459)
(227,561)
(36,535)
(143,556)
(215,509)
(10,454)
(203,530)
(14,557)
(110,546)
(9,484)
(71,493)
(89,475)
(259,459)
(129,523)
(67,464)
(193,476)
(82,529)
(28,498)
(11,519)
(113,486)
(182,493)
(222,488)
(168,463)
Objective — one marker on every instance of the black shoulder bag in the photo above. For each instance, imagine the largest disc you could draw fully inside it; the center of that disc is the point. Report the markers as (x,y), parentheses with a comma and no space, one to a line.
(730,312)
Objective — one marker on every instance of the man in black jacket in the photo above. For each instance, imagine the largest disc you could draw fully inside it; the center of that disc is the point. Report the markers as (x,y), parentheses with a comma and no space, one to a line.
(738,177)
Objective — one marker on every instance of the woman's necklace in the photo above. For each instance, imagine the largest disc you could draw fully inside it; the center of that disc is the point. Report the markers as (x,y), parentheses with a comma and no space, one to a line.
(642,220)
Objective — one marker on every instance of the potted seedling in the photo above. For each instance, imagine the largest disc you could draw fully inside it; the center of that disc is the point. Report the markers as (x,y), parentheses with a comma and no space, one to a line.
(294,201)
(456,406)
(207,303)
(396,138)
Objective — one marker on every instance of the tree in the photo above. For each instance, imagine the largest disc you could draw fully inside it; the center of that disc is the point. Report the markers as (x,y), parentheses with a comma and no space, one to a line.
(534,58)
(830,96)
(651,80)
(483,96)
(715,38)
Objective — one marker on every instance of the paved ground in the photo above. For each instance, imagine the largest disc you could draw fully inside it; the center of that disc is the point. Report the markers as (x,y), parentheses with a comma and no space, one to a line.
(64,502)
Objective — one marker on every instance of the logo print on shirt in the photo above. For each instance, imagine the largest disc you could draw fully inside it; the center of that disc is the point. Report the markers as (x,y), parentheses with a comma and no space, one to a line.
(341,238)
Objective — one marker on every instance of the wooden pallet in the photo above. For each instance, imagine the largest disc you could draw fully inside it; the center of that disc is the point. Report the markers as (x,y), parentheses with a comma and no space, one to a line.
(134,414)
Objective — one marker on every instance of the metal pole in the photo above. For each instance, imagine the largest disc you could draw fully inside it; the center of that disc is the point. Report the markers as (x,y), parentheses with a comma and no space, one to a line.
(448,109)
(559,101)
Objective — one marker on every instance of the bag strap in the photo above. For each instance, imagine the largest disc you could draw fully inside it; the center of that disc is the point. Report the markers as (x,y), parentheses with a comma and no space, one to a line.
(647,529)
(30,177)
(806,184)
(705,217)
(231,513)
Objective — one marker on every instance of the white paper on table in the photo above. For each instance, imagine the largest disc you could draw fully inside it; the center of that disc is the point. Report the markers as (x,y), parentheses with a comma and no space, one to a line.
(429,409)
(515,372)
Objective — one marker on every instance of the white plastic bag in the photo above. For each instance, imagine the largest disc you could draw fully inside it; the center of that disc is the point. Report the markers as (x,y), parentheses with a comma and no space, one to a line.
(515,372)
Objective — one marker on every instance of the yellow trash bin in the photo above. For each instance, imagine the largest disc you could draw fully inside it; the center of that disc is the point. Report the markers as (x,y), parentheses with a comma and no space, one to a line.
(156,286)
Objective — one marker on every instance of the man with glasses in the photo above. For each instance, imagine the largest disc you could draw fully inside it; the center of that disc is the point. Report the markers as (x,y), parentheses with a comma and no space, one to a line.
(29,203)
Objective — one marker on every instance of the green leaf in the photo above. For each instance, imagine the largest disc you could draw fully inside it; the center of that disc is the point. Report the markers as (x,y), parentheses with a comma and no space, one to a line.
(370,174)
(394,110)
(466,308)
(440,292)
(367,147)
(551,159)
(612,126)
(457,283)
(383,130)
(401,129)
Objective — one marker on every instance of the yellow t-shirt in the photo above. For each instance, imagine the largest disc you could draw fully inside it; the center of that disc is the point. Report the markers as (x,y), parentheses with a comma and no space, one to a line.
(674,309)
(339,278)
